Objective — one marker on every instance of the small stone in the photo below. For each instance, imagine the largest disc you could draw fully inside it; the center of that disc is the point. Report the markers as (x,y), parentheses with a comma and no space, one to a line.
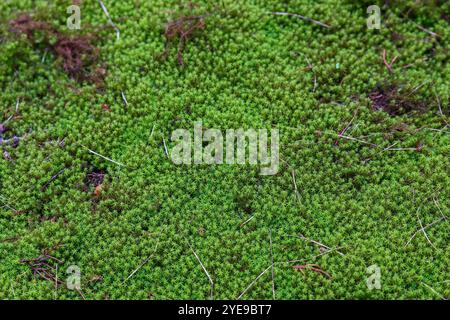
(7,156)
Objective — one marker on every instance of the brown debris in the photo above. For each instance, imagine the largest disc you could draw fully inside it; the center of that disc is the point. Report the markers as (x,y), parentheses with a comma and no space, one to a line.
(43,267)
(313,267)
(395,36)
(26,24)
(95,178)
(390,99)
(446,17)
(182,29)
(96,278)
(389,65)
(98,190)
(76,53)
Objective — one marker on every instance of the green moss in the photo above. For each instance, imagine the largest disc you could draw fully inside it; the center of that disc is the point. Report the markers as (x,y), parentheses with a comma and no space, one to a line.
(245,69)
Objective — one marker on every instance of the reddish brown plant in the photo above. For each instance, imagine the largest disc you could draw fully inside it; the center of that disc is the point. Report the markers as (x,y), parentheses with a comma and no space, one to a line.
(76,53)
(313,267)
(182,29)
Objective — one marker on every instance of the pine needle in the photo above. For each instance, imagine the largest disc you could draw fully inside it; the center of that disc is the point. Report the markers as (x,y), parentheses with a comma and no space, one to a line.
(106,158)
(206,271)
(271,258)
(105,10)
(301,17)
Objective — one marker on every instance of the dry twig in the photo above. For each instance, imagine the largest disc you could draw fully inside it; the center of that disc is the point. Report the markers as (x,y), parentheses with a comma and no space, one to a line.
(271,259)
(106,158)
(301,17)
(143,262)
(387,64)
(105,10)
(319,244)
(204,269)
(434,291)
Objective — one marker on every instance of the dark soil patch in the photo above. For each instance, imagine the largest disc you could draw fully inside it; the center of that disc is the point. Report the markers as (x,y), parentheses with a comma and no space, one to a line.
(95,178)
(446,17)
(93,183)
(395,101)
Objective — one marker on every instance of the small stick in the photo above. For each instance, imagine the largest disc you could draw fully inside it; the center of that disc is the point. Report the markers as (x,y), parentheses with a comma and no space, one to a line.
(56,281)
(151,133)
(439,208)
(105,10)
(440,107)
(15,112)
(388,65)
(416,88)
(17,105)
(437,130)
(434,34)
(81,294)
(311,67)
(301,17)
(204,269)
(434,291)
(358,140)
(345,129)
(248,220)
(124,99)
(253,282)
(319,244)
(392,145)
(165,148)
(313,267)
(280,262)
(271,259)
(422,228)
(143,262)
(106,158)
(401,149)
(426,227)
(44,56)
(53,178)
(3,199)
(12,289)
(295,185)
(316,256)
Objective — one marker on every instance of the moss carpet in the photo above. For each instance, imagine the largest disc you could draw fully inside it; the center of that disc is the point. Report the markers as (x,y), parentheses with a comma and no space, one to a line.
(86,117)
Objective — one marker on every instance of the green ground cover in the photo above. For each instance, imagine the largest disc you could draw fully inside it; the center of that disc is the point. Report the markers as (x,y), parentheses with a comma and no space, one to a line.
(138,228)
